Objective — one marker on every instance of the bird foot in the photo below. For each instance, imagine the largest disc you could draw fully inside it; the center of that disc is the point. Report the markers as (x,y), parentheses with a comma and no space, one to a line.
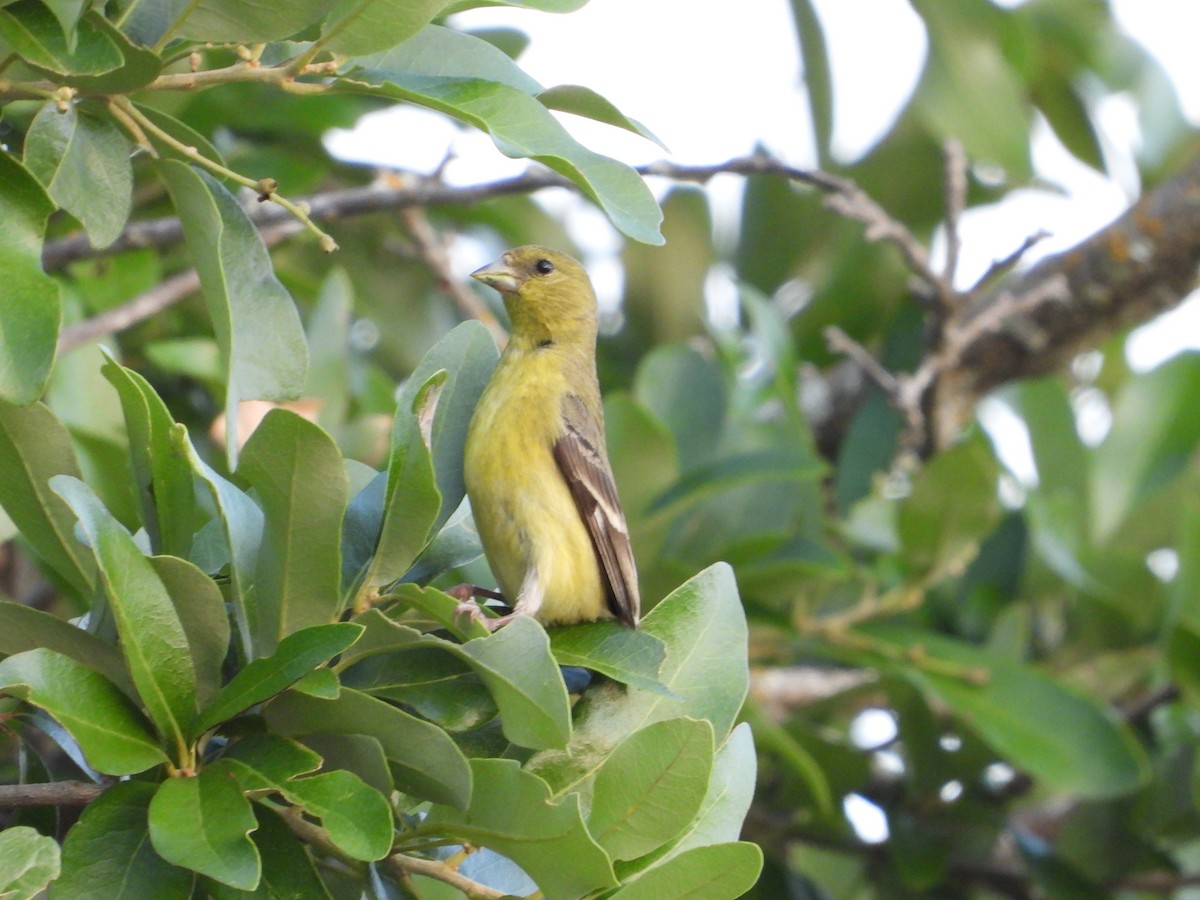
(465,594)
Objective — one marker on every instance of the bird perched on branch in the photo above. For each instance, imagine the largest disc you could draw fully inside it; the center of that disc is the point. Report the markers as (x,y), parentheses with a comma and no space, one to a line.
(536,467)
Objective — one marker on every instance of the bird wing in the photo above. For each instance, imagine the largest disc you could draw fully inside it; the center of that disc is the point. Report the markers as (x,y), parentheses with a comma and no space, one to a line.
(583,462)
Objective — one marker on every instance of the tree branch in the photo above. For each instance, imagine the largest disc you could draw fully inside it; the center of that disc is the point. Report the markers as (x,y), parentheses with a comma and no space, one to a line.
(55,793)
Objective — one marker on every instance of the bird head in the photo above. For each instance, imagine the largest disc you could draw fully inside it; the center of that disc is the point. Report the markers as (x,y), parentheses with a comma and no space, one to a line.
(547,294)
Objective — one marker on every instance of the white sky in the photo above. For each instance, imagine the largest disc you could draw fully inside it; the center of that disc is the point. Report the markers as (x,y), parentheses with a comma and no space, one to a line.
(713,85)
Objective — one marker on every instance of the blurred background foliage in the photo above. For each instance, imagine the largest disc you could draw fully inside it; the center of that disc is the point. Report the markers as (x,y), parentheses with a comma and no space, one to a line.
(971,678)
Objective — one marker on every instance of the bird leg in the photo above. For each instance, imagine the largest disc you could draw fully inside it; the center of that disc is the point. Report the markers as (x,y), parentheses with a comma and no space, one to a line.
(465,594)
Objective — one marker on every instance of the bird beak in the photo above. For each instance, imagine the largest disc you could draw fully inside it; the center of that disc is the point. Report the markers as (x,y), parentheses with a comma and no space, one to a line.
(499,275)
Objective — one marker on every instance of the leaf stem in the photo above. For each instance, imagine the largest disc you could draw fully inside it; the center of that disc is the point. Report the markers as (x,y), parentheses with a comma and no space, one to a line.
(266,187)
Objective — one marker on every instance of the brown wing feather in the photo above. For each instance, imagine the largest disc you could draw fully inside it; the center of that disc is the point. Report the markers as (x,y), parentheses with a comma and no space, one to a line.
(580,455)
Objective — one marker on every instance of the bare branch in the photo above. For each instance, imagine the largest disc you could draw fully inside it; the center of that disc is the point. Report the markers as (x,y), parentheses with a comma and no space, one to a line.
(403,864)
(56,793)
(432,250)
(955,190)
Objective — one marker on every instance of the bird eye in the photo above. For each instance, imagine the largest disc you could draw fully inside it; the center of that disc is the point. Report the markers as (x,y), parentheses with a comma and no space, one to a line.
(544,266)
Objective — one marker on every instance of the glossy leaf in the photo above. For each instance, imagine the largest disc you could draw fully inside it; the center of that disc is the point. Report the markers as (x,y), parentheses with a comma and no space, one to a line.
(513,814)
(28,862)
(231,20)
(356,817)
(365,26)
(1152,437)
(256,323)
(31,30)
(108,851)
(203,823)
(296,470)
(727,799)
(1022,715)
(406,513)
(952,508)
(241,524)
(703,628)
(518,124)
(424,760)
(287,867)
(468,355)
(630,656)
(165,482)
(651,786)
(583,101)
(720,872)
(264,762)
(32,308)
(83,162)
(516,665)
(113,735)
(25,628)
(152,636)
(201,609)
(297,655)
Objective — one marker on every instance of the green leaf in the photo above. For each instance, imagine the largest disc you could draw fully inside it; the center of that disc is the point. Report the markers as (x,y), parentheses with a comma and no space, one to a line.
(357,817)
(728,797)
(651,786)
(686,392)
(203,823)
(139,65)
(1152,439)
(83,161)
(241,524)
(263,762)
(968,90)
(297,655)
(1023,715)
(236,21)
(518,124)
(166,488)
(719,872)
(630,656)
(201,609)
(28,862)
(424,760)
(152,636)
(287,867)
(952,508)
(412,504)
(296,470)
(365,26)
(34,447)
(512,813)
(441,608)
(703,627)
(183,133)
(583,101)
(36,36)
(818,80)
(109,730)
(468,356)
(516,665)
(256,323)
(108,853)
(25,628)
(32,310)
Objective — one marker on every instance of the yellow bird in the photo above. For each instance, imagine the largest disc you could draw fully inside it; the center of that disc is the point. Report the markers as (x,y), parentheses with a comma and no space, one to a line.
(536,467)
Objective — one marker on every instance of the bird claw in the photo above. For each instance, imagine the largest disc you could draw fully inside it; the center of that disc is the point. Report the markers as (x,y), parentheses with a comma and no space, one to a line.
(465,594)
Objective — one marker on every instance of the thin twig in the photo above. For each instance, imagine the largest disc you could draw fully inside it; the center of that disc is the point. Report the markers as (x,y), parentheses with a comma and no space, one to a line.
(423,191)
(1001,267)
(149,303)
(433,868)
(840,342)
(955,191)
(432,250)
